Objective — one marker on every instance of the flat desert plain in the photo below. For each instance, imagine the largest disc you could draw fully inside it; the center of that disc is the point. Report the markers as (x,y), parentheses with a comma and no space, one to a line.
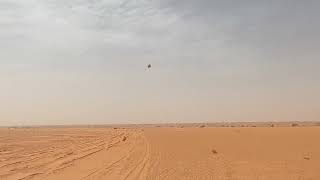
(154,153)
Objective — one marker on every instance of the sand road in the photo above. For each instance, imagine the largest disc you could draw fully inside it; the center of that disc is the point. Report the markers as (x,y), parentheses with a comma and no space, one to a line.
(259,153)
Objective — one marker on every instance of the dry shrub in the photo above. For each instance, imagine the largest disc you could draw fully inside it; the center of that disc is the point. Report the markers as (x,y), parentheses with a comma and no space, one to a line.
(306,158)
(124,138)
(294,125)
(214,151)
(202,126)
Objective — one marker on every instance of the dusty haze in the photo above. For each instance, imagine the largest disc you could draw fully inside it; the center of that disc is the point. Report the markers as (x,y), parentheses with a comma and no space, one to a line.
(83,62)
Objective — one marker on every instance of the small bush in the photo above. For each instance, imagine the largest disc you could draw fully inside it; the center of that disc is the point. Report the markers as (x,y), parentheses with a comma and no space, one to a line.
(202,126)
(214,151)
(307,158)
(124,138)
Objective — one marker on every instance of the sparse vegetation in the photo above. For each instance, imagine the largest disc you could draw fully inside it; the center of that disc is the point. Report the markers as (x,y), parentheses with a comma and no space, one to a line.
(202,126)
(124,138)
(294,125)
(214,151)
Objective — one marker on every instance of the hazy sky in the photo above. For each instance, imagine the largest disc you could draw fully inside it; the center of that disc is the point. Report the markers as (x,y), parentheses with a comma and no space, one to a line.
(83,61)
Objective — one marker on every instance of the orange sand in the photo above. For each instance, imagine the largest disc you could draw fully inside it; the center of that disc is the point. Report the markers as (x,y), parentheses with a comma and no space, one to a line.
(260,153)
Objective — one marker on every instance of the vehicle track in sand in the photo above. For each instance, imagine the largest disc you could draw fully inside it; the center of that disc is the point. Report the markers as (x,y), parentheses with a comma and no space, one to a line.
(53,153)
(159,153)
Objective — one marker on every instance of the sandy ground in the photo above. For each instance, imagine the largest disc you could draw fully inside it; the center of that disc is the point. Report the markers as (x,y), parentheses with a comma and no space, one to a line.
(259,153)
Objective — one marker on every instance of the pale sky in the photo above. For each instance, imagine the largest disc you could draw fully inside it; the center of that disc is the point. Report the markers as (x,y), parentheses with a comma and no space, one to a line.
(84,61)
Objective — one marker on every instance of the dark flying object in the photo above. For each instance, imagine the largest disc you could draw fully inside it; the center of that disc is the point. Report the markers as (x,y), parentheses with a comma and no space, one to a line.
(149,66)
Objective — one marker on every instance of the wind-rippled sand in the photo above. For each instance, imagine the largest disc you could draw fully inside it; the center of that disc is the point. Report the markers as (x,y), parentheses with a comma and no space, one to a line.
(260,153)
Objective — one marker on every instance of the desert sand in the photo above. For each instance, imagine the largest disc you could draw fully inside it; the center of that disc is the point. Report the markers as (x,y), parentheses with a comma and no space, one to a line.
(154,153)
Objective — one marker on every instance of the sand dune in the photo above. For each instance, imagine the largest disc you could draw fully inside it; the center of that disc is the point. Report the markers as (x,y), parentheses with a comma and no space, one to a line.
(264,153)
